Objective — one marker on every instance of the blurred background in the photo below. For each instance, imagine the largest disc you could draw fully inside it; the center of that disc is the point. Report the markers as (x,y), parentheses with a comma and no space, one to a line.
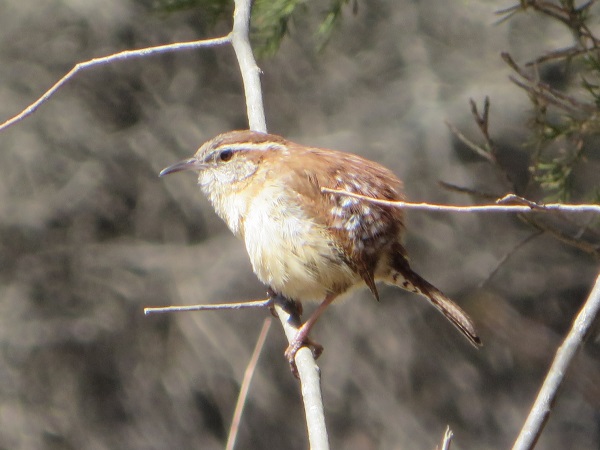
(89,235)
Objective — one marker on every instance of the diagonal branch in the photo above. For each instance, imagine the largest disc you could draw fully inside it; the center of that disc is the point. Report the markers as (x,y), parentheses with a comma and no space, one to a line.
(535,87)
(538,416)
(128,54)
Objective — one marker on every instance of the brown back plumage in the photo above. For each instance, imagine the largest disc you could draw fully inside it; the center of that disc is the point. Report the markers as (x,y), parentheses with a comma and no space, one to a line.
(361,230)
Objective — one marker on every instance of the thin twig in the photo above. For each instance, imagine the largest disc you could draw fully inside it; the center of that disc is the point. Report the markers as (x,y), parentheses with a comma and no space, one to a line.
(508,13)
(569,15)
(128,54)
(248,373)
(563,53)
(525,207)
(483,122)
(477,149)
(540,411)
(466,190)
(548,96)
(214,307)
(545,91)
(588,247)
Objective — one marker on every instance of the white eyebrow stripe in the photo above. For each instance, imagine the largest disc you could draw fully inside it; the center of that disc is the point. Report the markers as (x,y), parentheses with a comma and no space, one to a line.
(263,146)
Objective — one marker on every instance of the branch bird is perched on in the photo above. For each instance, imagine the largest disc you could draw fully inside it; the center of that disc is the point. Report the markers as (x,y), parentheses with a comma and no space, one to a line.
(303,243)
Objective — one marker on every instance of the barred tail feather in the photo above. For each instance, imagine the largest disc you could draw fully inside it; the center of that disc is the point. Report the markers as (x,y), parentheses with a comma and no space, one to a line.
(411,281)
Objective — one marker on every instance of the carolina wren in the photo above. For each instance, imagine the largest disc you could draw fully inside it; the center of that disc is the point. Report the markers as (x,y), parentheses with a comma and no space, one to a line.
(305,244)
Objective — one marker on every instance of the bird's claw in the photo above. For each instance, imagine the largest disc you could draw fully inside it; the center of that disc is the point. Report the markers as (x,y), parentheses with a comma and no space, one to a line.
(297,344)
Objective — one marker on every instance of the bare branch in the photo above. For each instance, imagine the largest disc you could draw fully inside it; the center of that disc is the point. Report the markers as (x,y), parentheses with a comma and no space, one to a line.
(489,151)
(538,416)
(551,95)
(248,373)
(128,54)
(567,13)
(524,206)
(562,53)
(308,370)
(540,91)
(215,307)
(310,377)
(482,119)
(508,13)
(248,67)
(480,151)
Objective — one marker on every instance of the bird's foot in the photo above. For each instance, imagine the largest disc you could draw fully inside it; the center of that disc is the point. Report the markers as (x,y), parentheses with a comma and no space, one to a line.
(299,341)
(294,308)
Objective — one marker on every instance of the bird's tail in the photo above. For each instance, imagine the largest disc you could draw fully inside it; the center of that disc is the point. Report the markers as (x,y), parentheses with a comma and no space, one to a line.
(404,277)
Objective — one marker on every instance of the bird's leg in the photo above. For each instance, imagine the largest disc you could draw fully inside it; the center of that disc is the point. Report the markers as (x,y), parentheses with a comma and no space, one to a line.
(301,339)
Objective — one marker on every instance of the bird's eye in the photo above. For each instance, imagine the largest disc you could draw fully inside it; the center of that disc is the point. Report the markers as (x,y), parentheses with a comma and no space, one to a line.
(225,155)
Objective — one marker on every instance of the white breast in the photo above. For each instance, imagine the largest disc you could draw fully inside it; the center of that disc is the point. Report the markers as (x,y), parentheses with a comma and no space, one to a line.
(289,251)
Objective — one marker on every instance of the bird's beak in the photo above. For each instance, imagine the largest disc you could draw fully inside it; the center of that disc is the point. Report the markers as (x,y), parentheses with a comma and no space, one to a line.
(186,164)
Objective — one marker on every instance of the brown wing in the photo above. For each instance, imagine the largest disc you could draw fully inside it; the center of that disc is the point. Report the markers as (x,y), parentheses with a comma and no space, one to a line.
(360,229)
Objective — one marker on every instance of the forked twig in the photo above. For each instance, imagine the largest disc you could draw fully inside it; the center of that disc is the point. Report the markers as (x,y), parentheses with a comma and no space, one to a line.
(482,119)
(128,54)
(469,143)
(489,151)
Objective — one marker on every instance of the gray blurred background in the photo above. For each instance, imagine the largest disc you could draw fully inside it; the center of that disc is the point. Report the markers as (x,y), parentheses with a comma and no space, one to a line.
(89,236)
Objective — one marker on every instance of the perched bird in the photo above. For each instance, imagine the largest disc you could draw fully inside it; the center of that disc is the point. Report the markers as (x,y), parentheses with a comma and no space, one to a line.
(307,245)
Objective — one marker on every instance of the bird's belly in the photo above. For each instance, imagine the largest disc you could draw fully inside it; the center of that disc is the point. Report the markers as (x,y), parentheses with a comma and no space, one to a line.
(292,254)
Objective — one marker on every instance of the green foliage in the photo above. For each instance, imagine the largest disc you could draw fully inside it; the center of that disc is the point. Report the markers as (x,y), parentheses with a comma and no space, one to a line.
(270,23)
(555,177)
(271,19)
